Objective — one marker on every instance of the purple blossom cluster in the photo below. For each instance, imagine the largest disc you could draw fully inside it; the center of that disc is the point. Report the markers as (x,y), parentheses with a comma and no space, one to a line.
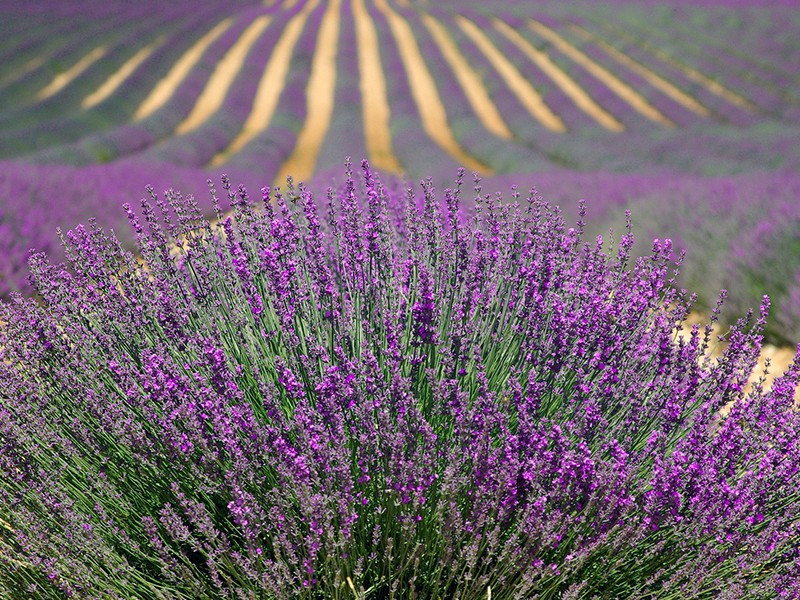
(384,395)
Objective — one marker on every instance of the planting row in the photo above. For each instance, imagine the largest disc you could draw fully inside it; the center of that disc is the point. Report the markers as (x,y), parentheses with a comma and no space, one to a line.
(740,232)
(488,89)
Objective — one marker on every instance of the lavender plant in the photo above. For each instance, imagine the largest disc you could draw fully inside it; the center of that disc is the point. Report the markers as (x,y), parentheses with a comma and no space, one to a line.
(383,396)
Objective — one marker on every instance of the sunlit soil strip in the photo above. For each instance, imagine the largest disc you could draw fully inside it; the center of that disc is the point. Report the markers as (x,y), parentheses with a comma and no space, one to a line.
(213,95)
(164,89)
(375,105)
(29,66)
(616,85)
(780,358)
(117,79)
(560,78)
(522,89)
(271,85)
(469,79)
(652,78)
(320,97)
(423,89)
(711,85)
(62,80)
(288,4)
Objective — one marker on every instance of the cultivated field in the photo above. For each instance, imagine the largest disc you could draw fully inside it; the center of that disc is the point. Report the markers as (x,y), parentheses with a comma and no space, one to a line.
(674,110)
(364,385)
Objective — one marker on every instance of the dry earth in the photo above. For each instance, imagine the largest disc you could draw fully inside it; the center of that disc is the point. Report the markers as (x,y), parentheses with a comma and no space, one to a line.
(779,358)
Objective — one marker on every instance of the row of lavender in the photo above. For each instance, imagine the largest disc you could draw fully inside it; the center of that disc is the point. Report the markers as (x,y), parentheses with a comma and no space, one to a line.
(751,51)
(701,145)
(740,232)
(97,135)
(378,396)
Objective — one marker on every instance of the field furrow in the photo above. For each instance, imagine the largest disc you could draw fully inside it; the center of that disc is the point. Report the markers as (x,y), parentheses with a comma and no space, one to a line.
(658,61)
(614,83)
(28,51)
(270,87)
(49,88)
(746,56)
(573,118)
(576,93)
(404,124)
(519,86)
(432,112)
(198,146)
(372,84)
(320,95)
(110,130)
(469,79)
(471,131)
(62,80)
(62,118)
(165,88)
(650,76)
(677,113)
(269,150)
(694,72)
(749,50)
(213,95)
(121,75)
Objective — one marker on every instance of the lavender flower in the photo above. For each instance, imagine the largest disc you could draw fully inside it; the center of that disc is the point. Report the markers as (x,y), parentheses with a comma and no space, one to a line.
(401,399)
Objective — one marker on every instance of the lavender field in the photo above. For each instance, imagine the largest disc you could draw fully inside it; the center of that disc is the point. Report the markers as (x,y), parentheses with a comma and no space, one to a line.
(455,370)
(673,95)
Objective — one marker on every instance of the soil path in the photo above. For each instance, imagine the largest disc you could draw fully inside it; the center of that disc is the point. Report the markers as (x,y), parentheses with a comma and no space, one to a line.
(779,357)
(165,88)
(614,83)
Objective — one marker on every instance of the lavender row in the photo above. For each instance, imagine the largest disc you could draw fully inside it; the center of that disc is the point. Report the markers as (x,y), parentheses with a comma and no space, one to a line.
(413,148)
(345,135)
(647,54)
(23,90)
(504,155)
(266,153)
(687,49)
(596,89)
(27,39)
(63,134)
(199,146)
(61,118)
(126,139)
(675,112)
(526,129)
(552,95)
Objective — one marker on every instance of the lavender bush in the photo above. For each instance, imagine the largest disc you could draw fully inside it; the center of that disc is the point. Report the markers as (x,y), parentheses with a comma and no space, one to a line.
(383,398)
